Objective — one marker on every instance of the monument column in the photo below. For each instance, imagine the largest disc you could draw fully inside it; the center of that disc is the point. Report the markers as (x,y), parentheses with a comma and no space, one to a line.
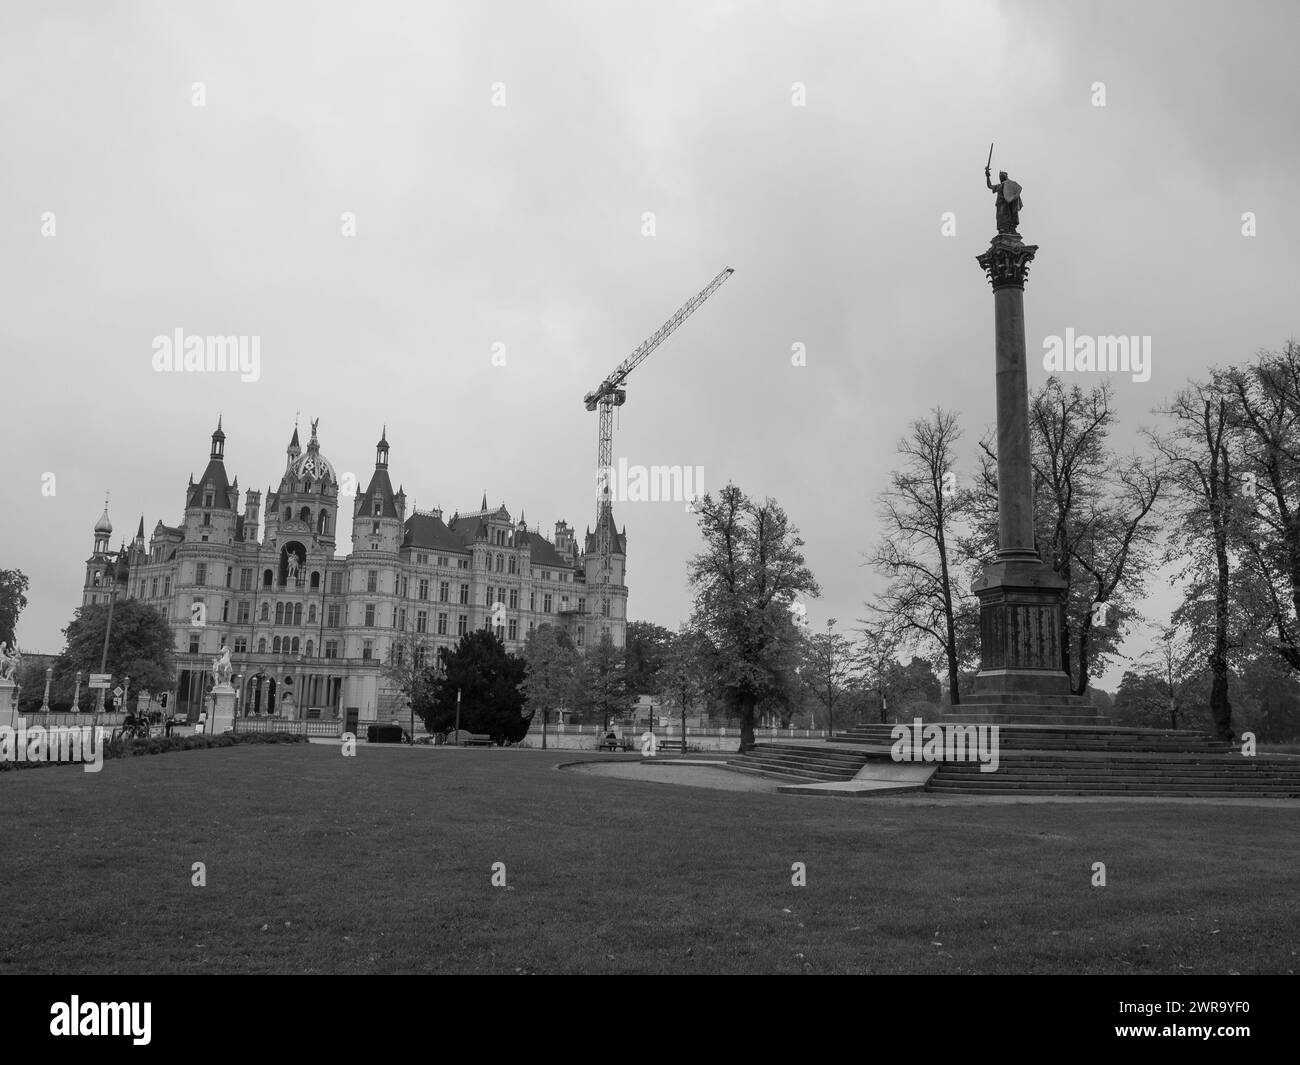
(1021,598)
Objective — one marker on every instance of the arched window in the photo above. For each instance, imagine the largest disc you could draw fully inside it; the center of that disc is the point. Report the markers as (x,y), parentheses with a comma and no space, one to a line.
(275,645)
(323,522)
(304,515)
(297,617)
(501,561)
(309,648)
(295,646)
(306,485)
(311,614)
(261,646)
(315,579)
(267,578)
(266,611)
(279,613)
(512,563)
(288,513)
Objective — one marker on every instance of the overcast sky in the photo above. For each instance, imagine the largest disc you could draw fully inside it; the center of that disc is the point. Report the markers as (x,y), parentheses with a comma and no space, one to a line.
(522,225)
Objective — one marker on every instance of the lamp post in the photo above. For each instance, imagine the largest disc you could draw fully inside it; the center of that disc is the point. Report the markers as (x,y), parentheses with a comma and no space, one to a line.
(457,717)
(76,694)
(108,628)
(45,702)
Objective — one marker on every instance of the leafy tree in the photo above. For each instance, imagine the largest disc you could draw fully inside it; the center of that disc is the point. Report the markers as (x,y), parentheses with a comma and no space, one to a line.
(602,683)
(489,680)
(140,646)
(746,582)
(686,675)
(1264,410)
(1203,468)
(926,606)
(551,672)
(13,600)
(829,668)
(1141,701)
(873,658)
(644,652)
(914,690)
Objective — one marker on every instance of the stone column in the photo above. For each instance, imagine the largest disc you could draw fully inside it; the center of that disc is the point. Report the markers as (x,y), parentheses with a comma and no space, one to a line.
(1021,598)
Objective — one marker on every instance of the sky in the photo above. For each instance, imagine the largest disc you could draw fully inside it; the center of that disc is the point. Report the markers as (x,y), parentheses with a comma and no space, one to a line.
(534,188)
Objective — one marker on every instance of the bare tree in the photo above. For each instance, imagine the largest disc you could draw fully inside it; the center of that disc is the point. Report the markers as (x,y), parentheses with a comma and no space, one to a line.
(922,606)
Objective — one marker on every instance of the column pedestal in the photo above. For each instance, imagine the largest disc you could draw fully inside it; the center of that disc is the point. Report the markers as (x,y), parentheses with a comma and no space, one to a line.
(8,712)
(222,716)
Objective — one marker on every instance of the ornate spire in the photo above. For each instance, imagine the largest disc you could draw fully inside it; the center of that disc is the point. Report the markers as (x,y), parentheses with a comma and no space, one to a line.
(104,525)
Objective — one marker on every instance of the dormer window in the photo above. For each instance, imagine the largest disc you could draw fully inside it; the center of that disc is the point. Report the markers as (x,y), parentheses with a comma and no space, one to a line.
(207,498)
(379,508)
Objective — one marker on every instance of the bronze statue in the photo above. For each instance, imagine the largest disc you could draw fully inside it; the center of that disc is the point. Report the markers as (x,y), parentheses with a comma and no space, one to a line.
(1006,194)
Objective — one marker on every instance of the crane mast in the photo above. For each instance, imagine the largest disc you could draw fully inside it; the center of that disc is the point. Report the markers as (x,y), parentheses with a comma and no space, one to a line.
(609,394)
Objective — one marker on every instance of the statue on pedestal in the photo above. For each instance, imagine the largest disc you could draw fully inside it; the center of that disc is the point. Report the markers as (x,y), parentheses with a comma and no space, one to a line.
(10,660)
(222,669)
(1006,194)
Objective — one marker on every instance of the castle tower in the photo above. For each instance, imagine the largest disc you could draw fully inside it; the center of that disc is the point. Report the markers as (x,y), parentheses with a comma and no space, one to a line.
(379,512)
(211,503)
(598,590)
(301,518)
(99,566)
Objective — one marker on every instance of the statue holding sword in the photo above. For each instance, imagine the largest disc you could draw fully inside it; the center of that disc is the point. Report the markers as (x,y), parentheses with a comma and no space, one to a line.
(1006,194)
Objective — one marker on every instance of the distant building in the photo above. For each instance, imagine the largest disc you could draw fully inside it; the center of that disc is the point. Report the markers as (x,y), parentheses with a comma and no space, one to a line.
(309,631)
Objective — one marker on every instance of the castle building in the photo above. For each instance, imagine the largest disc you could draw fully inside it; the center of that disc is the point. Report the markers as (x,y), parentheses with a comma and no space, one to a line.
(310,632)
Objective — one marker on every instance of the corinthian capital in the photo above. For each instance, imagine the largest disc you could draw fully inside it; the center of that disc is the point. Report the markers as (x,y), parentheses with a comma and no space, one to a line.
(1006,263)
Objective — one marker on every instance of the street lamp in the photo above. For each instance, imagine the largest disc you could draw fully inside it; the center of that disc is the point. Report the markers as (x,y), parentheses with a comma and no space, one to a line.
(45,702)
(108,628)
(76,694)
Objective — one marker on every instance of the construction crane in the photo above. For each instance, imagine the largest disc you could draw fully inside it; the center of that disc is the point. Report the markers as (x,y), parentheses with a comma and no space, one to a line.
(609,394)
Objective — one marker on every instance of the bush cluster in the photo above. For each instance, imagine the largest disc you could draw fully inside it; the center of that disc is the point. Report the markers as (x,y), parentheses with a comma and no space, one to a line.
(123,748)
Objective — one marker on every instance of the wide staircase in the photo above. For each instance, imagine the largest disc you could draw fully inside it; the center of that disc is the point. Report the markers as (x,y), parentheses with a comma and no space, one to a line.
(801,763)
(1050,760)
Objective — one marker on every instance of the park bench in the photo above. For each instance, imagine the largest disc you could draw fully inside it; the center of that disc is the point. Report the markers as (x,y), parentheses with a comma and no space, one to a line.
(479,740)
(672,745)
(615,744)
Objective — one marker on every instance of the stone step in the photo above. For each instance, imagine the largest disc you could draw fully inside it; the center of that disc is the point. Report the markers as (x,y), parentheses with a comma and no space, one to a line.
(782,774)
(1079,702)
(793,770)
(1175,792)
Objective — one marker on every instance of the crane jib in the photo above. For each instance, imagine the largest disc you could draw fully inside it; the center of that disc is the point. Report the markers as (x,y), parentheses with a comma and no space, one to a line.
(609,394)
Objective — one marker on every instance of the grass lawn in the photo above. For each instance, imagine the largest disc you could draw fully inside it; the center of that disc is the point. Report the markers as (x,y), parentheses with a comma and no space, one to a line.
(318,863)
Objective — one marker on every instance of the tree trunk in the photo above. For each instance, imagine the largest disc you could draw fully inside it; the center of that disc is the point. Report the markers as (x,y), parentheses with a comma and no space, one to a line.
(1220,707)
(544,716)
(746,703)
